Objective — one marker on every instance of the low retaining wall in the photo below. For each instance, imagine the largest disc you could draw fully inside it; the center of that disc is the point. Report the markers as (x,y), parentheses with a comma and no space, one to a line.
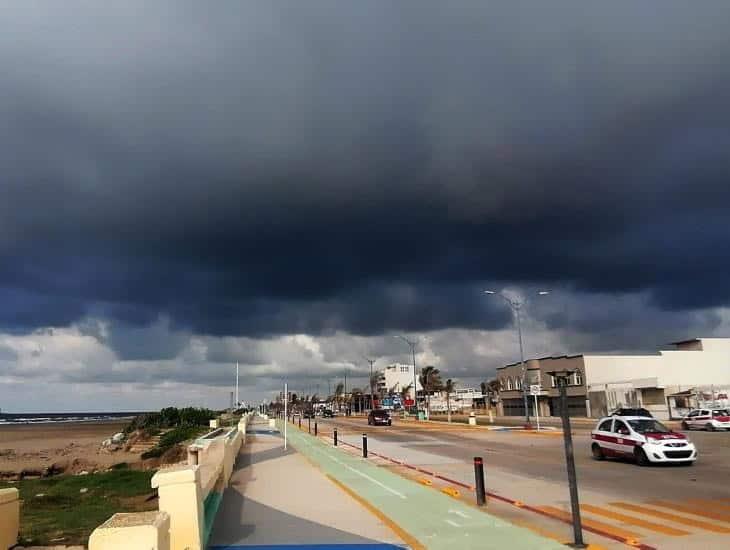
(189,496)
(9,517)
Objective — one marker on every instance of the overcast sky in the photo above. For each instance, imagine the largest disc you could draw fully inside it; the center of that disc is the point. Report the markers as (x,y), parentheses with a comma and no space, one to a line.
(290,184)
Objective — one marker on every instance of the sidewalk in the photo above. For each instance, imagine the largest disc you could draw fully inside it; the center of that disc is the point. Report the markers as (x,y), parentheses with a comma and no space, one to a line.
(277,498)
(434,520)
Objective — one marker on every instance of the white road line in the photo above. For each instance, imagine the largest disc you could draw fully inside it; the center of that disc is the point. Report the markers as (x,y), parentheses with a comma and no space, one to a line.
(372,480)
(452,523)
(458,513)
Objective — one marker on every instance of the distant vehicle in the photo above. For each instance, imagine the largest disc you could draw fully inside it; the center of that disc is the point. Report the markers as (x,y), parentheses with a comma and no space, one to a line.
(379,417)
(628,411)
(646,440)
(328,413)
(707,419)
(308,414)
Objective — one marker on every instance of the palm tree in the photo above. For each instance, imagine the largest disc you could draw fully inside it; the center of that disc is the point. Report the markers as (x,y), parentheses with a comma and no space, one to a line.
(404,393)
(430,379)
(449,387)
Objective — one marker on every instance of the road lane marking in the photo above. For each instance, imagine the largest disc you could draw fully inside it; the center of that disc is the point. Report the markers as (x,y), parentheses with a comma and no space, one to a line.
(594,524)
(689,509)
(714,503)
(671,531)
(452,523)
(459,513)
(372,480)
(672,517)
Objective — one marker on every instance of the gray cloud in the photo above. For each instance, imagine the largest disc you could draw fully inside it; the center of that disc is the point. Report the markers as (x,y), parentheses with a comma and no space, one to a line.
(273,168)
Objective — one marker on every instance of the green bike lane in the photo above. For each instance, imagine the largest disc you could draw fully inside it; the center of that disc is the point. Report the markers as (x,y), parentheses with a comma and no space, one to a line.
(435,520)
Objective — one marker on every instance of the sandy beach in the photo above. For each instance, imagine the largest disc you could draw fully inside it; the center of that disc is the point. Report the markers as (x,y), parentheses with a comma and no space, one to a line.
(76,446)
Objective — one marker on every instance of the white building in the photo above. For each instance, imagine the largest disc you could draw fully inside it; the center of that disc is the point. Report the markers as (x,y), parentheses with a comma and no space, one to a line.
(668,383)
(396,377)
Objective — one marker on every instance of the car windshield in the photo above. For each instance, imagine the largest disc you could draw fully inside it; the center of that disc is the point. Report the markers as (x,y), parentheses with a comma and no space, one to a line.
(720,412)
(380,413)
(648,425)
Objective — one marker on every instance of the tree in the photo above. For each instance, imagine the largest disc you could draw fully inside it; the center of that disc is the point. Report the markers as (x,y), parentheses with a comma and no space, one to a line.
(449,387)
(430,379)
(404,393)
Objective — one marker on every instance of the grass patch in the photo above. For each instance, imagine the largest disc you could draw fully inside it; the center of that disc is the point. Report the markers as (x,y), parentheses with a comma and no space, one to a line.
(65,515)
(173,437)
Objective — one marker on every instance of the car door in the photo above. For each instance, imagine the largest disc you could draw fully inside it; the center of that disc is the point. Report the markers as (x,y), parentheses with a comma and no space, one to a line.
(624,444)
(604,437)
(703,418)
(691,418)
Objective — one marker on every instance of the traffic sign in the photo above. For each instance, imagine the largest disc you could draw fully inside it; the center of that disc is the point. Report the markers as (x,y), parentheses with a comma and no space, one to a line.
(535,389)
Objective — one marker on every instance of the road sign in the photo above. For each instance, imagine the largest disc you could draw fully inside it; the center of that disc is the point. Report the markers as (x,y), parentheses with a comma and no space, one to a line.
(535,389)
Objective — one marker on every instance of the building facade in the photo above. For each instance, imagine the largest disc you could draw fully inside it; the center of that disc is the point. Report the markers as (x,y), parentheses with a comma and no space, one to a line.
(393,379)
(668,383)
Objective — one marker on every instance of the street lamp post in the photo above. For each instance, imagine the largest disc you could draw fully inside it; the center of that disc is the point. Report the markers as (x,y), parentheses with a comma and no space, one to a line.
(371,361)
(561,378)
(516,307)
(412,344)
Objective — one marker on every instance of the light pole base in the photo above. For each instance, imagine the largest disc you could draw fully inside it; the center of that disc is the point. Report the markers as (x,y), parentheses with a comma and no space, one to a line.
(577,545)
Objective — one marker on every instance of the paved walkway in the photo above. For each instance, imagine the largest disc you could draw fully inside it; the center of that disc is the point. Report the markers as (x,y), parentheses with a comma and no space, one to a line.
(434,520)
(279,500)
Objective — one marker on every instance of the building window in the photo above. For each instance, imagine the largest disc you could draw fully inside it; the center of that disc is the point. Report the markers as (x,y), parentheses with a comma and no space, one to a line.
(553,382)
(404,369)
(509,383)
(501,384)
(518,383)
(577,378)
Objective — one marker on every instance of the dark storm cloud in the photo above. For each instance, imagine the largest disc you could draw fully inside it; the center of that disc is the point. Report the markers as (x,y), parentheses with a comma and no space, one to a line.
(278,167)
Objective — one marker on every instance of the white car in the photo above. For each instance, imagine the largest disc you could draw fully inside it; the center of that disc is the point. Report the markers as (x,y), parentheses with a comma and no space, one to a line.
(646,440)
(707,419)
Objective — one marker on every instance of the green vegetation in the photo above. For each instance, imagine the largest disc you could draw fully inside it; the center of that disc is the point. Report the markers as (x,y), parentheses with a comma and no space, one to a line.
(170,417)
(66,515)
(173,437)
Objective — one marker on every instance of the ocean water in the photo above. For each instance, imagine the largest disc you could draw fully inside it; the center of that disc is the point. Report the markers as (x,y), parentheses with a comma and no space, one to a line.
(53,418)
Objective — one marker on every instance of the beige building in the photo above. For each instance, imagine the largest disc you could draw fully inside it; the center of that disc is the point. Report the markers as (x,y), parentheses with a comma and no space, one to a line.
(667,383)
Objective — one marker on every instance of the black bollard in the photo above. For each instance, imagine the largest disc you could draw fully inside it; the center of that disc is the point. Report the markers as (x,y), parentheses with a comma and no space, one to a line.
(315,429)
(300,422)
(309,425)
(479,481)
(364,445)
(335,437)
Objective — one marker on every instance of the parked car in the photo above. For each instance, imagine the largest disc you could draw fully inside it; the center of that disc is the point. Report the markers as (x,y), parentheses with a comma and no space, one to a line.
(379,417)
(646,440)
(628,411)
(707,419)
(328,413)
(308,414)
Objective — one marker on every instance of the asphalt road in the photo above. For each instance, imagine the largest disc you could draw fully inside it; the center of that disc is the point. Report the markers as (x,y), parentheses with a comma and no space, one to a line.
(541,457)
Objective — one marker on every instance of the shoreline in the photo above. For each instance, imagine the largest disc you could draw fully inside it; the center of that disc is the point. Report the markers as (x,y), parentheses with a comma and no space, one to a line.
(29,448)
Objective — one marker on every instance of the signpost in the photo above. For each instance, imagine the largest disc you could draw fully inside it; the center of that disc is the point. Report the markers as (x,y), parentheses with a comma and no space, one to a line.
(535,391)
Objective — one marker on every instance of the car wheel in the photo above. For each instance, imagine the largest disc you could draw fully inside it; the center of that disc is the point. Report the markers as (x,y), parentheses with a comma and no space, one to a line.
(390,422)
(709,427)
(685,426)
(640,456)
(597,452)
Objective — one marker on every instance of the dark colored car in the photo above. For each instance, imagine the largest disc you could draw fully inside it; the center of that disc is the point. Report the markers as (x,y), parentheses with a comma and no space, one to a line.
(626,411)
(379,417)
(328,414)
(308,414)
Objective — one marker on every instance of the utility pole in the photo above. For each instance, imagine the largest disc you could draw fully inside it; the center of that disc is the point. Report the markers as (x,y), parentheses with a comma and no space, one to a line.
(238,397)
(516,306)
(371,361)
(412,344)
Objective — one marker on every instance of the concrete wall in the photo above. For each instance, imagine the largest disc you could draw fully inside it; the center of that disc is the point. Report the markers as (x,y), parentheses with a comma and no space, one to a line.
(9,517)
(143,530)
(189,494)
